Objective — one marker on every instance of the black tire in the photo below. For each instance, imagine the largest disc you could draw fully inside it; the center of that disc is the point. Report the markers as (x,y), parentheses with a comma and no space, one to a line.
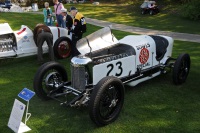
(151,12)
(142,11)
(39,84)
(181,69)
(106,101)
(62,47)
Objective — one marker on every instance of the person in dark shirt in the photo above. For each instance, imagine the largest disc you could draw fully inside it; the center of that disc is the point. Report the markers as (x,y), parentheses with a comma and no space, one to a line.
(78,28)
(42,33)
(67,19)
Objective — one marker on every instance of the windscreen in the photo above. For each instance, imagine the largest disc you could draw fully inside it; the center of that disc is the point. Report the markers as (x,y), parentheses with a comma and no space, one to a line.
(96,41)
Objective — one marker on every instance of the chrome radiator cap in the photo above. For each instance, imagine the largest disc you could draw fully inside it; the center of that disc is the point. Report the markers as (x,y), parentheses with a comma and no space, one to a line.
(80,60)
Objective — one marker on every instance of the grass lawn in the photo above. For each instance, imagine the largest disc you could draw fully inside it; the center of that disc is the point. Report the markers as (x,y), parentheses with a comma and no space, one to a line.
(154,106)
(128,14)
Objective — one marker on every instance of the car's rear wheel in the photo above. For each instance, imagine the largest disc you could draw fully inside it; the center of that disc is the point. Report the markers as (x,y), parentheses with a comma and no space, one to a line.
(47,76)
(106,101)
(62,48)
(181,69)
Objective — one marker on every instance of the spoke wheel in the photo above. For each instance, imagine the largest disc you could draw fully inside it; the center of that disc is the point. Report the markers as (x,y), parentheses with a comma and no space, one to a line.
(51,79)
(106,101)
(62,48)
(181,69)
(48,76)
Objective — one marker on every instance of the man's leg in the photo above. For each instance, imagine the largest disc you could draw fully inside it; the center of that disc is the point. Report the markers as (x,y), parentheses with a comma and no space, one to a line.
(75,51)
(58,20)
(40,41)
(63,23)
(49,40)
(73,46)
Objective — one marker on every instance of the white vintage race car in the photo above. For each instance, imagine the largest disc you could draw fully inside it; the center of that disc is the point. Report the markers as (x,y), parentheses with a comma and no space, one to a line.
(105,65)
(21,43)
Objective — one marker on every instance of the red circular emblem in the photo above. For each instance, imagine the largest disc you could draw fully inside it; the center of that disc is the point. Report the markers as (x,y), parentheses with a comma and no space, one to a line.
(144,55)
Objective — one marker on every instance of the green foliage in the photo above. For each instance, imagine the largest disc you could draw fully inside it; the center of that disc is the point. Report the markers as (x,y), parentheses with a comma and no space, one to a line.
(191,10)
(39,2)
(136,1)
(178,1)
(126,14)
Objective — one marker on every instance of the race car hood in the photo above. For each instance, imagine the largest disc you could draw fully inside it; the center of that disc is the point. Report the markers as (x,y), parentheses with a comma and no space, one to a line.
(96,41)
(5,29)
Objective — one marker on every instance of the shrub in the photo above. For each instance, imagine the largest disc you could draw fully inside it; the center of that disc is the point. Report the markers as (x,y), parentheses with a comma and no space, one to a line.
(191,10)
(39,2)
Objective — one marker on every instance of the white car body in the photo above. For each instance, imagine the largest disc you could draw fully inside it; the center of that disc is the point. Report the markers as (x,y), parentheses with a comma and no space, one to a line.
(104,66)
(20,43)
(141,44)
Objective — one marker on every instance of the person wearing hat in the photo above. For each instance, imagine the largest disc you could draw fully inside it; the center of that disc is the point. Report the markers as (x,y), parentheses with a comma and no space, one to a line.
(67,19)
(78,28)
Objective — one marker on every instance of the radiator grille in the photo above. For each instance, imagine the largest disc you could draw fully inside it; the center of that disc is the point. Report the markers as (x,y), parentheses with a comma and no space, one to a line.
(6,45)
(78,77)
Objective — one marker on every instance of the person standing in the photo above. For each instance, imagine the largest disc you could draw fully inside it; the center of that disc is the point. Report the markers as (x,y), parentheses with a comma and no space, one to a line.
(42,33)
(47,12)
(78,28)
(57,7)
(67,19)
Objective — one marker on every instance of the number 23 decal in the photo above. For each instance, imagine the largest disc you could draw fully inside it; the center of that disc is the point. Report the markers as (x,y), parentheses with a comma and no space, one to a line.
(111,66)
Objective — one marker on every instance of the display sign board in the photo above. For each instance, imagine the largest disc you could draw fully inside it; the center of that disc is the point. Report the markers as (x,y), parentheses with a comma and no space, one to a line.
(15,120)
(26,94)
(16,115)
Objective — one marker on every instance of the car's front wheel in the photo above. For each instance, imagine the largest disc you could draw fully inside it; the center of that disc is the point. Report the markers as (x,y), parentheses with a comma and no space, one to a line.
(48,76)
(181,69)
(106,101)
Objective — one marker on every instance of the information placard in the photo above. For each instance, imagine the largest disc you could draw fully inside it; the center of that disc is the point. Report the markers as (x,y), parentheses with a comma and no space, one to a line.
(16,115)
(26,94)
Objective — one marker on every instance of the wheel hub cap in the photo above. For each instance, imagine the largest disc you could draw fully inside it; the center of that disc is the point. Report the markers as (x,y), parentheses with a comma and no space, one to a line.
(113,103)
